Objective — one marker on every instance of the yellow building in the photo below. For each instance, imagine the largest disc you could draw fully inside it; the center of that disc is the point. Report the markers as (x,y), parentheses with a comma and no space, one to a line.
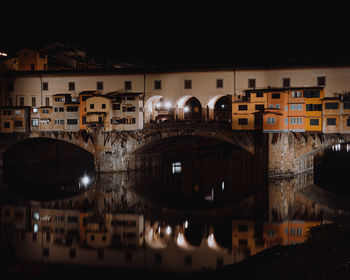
(313,103)
(98,112)
(244,112)
(30,60)
(14,119)
(83,96)
(244,241)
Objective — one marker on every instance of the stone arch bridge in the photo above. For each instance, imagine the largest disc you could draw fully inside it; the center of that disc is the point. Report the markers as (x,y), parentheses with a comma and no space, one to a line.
(279,154)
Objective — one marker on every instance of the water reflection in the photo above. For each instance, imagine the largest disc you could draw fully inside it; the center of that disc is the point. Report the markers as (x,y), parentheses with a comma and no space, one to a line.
(111,224)
(134,220)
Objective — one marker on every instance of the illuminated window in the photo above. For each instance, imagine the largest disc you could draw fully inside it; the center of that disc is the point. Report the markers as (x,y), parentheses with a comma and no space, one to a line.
(36,216)
(176,167)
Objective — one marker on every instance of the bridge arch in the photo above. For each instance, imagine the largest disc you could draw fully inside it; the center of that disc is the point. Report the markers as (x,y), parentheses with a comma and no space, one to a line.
(189,108)
(219,108)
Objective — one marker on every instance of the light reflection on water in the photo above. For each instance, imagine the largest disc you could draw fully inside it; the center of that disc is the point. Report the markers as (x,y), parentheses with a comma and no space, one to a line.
(130,219)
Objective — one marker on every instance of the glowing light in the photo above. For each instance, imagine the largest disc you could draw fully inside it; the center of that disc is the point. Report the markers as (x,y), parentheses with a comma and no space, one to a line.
(3,54)
(186,224)
(168,230)
(211,241)
(84,181)
(36,228)
(223,106)
(168,105)
(222,185)
(180,240)
(186,109)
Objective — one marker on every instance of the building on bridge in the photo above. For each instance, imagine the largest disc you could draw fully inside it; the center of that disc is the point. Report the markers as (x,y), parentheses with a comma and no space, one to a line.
(188,94)
(279,109)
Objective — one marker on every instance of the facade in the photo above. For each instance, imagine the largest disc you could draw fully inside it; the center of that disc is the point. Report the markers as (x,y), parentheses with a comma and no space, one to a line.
(280,109)
(190,95)
(30,60)
(14,119)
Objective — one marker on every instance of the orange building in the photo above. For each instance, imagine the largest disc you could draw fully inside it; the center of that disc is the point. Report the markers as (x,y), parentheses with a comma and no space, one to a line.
(30,60)
(275,117)
(83,96)
(287,232)
(296,110)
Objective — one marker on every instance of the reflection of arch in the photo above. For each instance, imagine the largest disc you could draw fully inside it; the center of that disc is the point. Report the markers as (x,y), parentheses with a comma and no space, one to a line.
(189,108)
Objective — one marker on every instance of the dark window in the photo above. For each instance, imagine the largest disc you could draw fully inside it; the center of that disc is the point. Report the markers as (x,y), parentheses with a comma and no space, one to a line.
(259,107)
(157,84)
(348,122)
(243,242)
(10,101)
(72,253)
(188,260)
(313,107)
(243,121)
(130,98)
(251,83)
(219,83)
(100,254)
(11,86)
(219,262)
(242,228)
(6,124)
(259,94)
(72,121)
(72,108)
(116,106)
(188,84)
(84,120)
(21,101)
(92,106)
(276,96)
(286,82)
(72,219)
(127,85)
(18,123)
(130,109)
(99,85)
(312,94)
(46,252)
(314,121)
(71,86)
(346,105)
(331,121)
(32,67)
(45,86)
(321,81)
(103,106)
(242,107)
(128,257)
(33,102)
(331,105)
(47,101)
(158,258)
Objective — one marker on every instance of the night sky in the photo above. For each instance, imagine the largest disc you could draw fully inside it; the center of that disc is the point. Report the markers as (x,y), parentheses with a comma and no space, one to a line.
(189,32)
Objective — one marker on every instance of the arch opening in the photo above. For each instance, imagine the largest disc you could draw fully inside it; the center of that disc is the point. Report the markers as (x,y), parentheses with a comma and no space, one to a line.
(45,169)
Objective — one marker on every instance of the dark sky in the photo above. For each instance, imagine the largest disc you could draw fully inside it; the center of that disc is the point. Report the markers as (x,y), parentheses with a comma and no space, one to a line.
(189,32)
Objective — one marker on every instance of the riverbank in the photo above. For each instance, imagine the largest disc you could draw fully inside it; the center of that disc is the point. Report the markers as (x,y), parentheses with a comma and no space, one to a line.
(325,255)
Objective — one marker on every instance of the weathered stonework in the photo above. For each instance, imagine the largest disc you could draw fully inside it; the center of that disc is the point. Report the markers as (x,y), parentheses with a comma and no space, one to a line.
(293,153)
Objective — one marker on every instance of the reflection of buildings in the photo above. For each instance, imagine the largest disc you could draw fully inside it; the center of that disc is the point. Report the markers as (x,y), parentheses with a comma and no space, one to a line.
(127,240)
(122,240)
(287,232)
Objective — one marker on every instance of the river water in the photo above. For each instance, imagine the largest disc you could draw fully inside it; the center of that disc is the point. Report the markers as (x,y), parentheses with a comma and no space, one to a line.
(201,209)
